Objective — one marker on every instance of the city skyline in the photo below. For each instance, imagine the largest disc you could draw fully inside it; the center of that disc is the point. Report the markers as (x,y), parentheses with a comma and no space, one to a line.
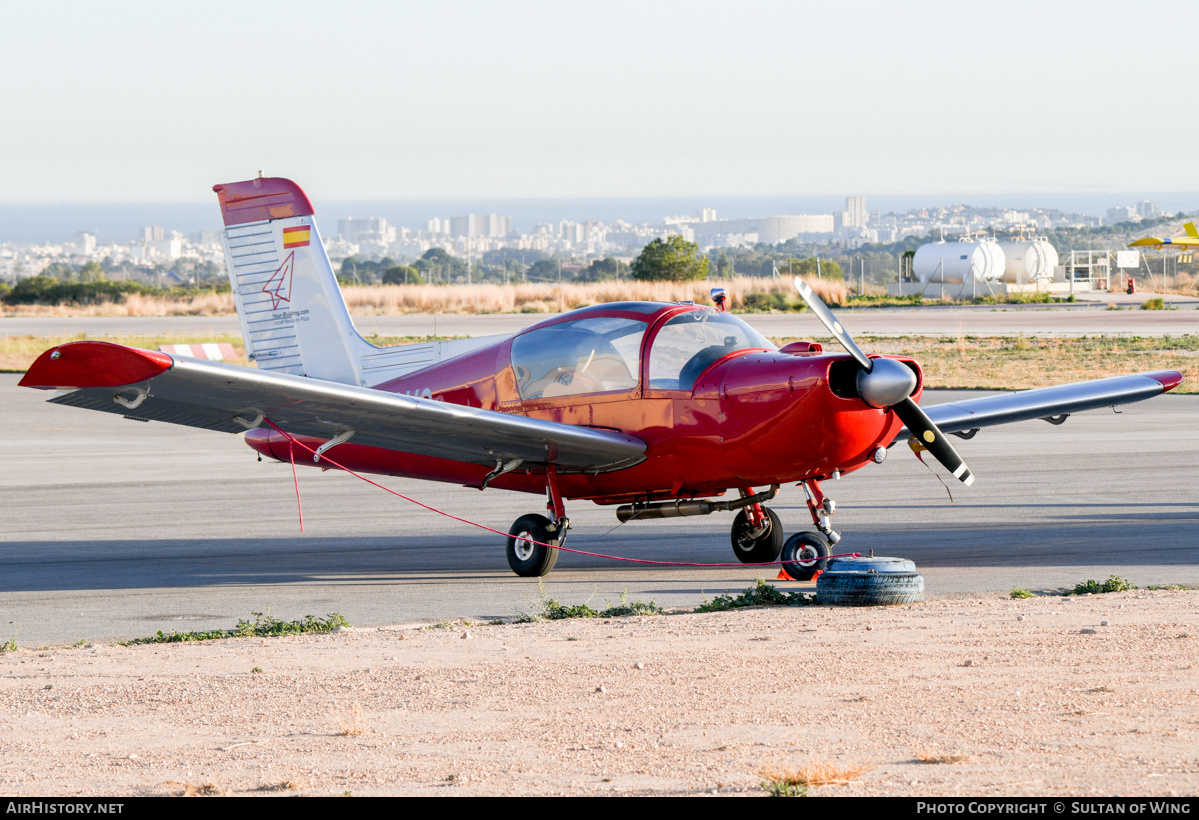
(128,102)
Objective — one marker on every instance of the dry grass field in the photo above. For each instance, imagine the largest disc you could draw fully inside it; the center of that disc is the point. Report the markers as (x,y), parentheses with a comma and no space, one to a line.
(400,299)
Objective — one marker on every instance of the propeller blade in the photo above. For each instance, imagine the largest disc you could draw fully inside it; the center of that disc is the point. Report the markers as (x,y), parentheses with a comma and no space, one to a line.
(830,321)
(894,380)
(933,440)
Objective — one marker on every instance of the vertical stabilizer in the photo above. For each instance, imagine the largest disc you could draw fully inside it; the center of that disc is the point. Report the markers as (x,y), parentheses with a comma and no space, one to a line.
(293,316)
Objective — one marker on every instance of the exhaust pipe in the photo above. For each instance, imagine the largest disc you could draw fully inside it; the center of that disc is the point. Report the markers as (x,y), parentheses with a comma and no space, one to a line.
(680,508)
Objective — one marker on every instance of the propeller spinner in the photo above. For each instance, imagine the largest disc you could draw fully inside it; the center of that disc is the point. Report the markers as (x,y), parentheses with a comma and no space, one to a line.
(888,384)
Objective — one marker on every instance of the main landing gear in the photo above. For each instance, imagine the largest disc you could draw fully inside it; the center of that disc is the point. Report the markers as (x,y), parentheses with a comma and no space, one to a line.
(757,534)
(533,539)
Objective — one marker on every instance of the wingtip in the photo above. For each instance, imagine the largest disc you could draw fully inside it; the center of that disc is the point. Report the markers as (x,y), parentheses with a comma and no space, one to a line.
(94,364)
(1169,378)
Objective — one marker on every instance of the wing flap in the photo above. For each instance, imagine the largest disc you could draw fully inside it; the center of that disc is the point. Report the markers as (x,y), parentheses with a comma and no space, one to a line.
(1043,402)
(230,398)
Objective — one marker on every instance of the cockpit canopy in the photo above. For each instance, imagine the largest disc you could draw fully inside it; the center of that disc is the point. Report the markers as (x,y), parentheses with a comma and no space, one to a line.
(598,354)
(602,354)
(690,342)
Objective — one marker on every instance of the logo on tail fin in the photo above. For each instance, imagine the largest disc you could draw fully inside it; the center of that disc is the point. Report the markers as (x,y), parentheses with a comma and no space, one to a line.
(278,287)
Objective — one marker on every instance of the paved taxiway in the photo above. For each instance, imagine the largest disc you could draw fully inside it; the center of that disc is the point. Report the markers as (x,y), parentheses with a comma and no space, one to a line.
(115,528)
(1075,320)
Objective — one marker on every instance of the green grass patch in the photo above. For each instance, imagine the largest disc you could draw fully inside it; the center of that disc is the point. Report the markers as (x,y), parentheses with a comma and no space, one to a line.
(1112,584)
(8,646)
(914,300)
(1036,298)
(761,594)
(1156,303)
(1020,592)
(766,302)
(784,788)
(552,610)
(264,625)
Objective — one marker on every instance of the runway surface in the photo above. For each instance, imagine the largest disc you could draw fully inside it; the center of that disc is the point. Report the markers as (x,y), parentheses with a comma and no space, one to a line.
(115,529)
(1076,320)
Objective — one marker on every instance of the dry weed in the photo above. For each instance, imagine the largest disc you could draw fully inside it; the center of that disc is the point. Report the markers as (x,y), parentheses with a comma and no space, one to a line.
(205,790)
(933,756)
(815,773)
(285,786)
(352,721)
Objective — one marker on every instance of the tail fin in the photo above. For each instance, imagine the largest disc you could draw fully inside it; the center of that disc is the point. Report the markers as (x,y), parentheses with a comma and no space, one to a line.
(1190,229)
(293,316)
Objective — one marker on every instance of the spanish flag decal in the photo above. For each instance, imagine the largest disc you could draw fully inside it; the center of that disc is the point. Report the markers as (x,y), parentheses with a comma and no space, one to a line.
(296,237)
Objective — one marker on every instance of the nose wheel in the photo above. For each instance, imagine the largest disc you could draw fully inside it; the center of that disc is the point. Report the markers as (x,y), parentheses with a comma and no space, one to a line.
(805,554)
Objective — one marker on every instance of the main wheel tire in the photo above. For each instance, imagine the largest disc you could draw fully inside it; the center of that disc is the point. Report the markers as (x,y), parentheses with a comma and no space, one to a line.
(526,558)
(870,587)
(760,547)
(805,554)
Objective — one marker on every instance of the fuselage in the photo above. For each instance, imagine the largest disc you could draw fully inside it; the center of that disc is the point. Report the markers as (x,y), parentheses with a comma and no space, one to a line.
(718,406)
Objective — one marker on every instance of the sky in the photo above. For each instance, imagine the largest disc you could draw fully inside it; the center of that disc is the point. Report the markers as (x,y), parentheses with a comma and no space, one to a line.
(155,102)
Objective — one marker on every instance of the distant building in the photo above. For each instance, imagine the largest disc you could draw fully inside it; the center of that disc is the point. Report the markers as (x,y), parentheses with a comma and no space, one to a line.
(1122,214)
(476,225)
(769,229)
(1149,210)
(856,214)
(372,230)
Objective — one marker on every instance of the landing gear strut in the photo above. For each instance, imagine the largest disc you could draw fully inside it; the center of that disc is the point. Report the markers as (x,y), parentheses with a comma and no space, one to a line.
(533,539)
(821,508)
(757,534)
(806,553)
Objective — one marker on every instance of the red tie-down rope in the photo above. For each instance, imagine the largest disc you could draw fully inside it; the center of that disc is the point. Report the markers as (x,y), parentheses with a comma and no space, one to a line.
(324,457)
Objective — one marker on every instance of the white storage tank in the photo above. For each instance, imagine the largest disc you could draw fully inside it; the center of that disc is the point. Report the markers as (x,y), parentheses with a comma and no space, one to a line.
(1029,260)
(958,262)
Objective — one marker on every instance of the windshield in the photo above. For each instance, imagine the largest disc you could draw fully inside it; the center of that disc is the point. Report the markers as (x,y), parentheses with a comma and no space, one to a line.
(594,355)
(690,342)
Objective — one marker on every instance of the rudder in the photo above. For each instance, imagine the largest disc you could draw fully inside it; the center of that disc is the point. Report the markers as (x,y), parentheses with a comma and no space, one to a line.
(292,313)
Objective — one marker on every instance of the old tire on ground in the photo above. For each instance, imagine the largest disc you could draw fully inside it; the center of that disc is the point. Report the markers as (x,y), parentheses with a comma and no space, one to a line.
(870,582)
(805,554)
(526,558)
(759,548)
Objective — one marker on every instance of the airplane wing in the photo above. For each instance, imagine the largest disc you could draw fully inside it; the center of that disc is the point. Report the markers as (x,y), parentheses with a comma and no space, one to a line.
(1155,242)
(147,385)
(1191,240)
(1047,402)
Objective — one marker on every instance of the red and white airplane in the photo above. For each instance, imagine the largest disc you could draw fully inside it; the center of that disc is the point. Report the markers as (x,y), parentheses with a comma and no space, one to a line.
(660,408)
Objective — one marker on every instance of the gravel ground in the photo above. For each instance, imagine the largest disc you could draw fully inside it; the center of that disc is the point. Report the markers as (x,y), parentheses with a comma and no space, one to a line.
(992,697)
